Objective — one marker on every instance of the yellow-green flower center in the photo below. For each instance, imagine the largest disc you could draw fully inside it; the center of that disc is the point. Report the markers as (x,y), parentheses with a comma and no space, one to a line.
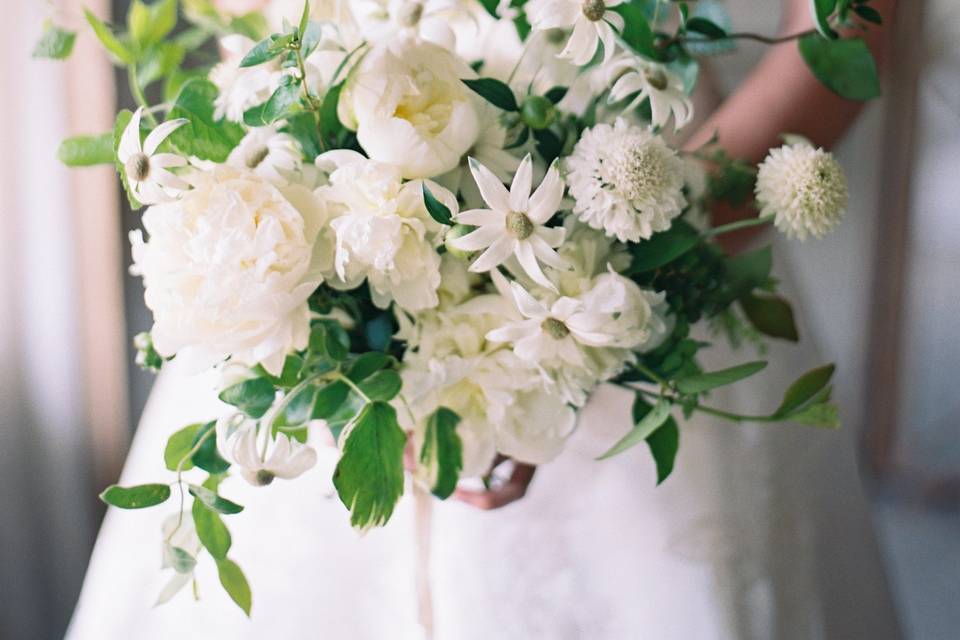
(255,157)
(519,225)
(264,477)
(555,329)
(593,9)
(137,167)
(656,78)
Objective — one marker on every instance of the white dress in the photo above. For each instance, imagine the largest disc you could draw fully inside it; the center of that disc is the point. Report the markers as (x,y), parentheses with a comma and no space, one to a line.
(761,532)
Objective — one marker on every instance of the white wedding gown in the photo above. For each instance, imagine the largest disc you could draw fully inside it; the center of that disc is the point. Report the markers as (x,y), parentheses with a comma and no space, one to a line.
(761,532)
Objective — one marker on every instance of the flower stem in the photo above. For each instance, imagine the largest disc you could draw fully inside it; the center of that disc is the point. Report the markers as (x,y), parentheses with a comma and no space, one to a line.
(137,93)
(736,226)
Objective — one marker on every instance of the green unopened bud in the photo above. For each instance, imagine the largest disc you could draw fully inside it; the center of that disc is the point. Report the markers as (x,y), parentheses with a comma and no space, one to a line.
(454,232)
(538,113)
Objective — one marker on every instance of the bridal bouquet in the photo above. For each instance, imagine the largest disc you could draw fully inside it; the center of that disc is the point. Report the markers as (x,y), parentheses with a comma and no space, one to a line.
(432,229)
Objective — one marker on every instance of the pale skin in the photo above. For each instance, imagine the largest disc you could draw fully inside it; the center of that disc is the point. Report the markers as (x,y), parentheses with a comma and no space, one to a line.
(780,95)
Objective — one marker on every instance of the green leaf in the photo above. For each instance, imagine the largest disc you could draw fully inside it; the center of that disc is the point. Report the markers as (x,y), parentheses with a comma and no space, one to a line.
(750,270)
(442,452)
(367,364)
(303,126)
(548,145)
(705,27)
(328,338)
(330,125)
(846,66)
(647,425)
(214,501)
(160,61)
(663,247)
(235,584)
(818,414)
(328,400)
(369,475)
(87,151)
(138,497)
(207,457)
(180,559)
(663,442)
(497,93)
(804,390)
(55,43)
(123,119)
(149,24)
(266,50)
(771,315)
(821,10)
(282,103)
(383,385)
(556,94)
(705,381)
(636,31)
(869,14)
(179,445)
(437,210)
(213,534)
(253,396)
(300,408)
(304,18)
(108,40)
(203,137)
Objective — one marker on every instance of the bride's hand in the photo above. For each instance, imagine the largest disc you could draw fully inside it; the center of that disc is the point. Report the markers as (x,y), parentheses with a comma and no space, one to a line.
(503,494)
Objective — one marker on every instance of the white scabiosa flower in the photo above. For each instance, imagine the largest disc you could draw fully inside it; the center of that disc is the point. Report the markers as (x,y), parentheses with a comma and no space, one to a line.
(804,188)
(626,181)
(632,75)
(242,88)
(274,156)
(148,172)
(407,103)
(592,23)
(382,230)
(242,442)
(514,224)
(229,267)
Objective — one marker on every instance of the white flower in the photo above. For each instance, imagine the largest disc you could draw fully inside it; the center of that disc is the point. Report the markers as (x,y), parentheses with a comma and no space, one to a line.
(592,23)
(652,80)
(148,171)
(383,231)
(589,252)
(274,156)
(514,225)
(229,267)
(407,103)
(626,181)
(380,20)
(535,427)
(241,441)
(242,88)
(804,187)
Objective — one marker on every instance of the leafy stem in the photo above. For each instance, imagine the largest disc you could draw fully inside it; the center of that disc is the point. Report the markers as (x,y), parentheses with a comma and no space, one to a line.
(137,91)
(187,456)
(739,224)
(353,387)
(756,37)
(734,417)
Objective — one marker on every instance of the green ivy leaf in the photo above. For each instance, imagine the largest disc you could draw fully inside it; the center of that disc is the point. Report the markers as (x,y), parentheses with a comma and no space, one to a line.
(137,497)
(366,365)
(749,271)
(636,31)
(818,414)
(179,445)
(497,93)
(204,137)
(702,382)
(330,125)
(369,475)
(214,501)
(556,94)
(149,24)
(108,39)
(160,61)
(300,407)
(771,315)
(213,534)
(328,400)
(663,247)
(266,50)
(235,584)
(804,390)
(821,10)
(254,397)
(705,27)
(207,457)
(179,559)
(87,151)
(303,126)
(330,339)
(282,103)
(846,66)
(642,429)
(55,43)
(663,443)
(437,210)
(442,452)
(868,13)
(384,385)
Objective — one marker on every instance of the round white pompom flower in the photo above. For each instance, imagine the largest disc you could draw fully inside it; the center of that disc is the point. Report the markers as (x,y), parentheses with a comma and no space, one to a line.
(229,267)
(626,181)
(804,188)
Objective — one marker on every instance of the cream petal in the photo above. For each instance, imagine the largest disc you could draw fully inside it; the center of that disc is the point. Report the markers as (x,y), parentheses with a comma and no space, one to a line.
(492,190)
(521,186)
(614,18)
(528,260)
(494,256)
(547,255)
(478,239)
(627,84)
(130,140)
(164,160)
(529,348)
(608,37)
(546,200)
(552,236)
(527,304)
(158,135)
(513,332)
(582,44)
(558,14)
(166,179)
(564,308)
(481,217)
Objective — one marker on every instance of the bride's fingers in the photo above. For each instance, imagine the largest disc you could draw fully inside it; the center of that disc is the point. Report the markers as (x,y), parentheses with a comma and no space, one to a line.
(511,491)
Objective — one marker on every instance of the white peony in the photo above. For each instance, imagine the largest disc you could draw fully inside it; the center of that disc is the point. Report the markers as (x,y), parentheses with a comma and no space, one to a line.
(241,88)
(804,188)
(407,103)
(626,181)
(229,267)
(535,427)
(382,230)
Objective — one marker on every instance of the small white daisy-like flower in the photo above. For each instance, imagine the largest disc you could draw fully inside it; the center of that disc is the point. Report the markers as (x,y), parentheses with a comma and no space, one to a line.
(147,171)
(283,458)
(272,155)
(514,225)
(804,187)
(632,74)
(592,23)
(626,181)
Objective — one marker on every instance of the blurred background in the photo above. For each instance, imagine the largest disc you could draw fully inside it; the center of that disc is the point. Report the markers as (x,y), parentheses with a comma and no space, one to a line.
(880,293)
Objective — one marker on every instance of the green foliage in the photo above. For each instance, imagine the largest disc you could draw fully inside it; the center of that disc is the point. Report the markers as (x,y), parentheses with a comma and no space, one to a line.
(637,33)
(497,93)
(87,151)
(702,382)
(384,385)
(137,497)
(123,119)
(120,51)
(235,584)
(845,66)
(161,61)
(213,501)
(369,475)
(732,181)
(821,11)
(179,559)
(437,210)
(253,396)
(331,129)
(642,429)
(705,27)
(206,456)
(213,534)
(329,399)
(203,136)
(538,112)
(55,43)
(178,446)
(748,271)
(267,49)
(442,452)
(149,24)
(328,339)
(662,247)
(284,102)
(804,390)
(771,315)
(663,442)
